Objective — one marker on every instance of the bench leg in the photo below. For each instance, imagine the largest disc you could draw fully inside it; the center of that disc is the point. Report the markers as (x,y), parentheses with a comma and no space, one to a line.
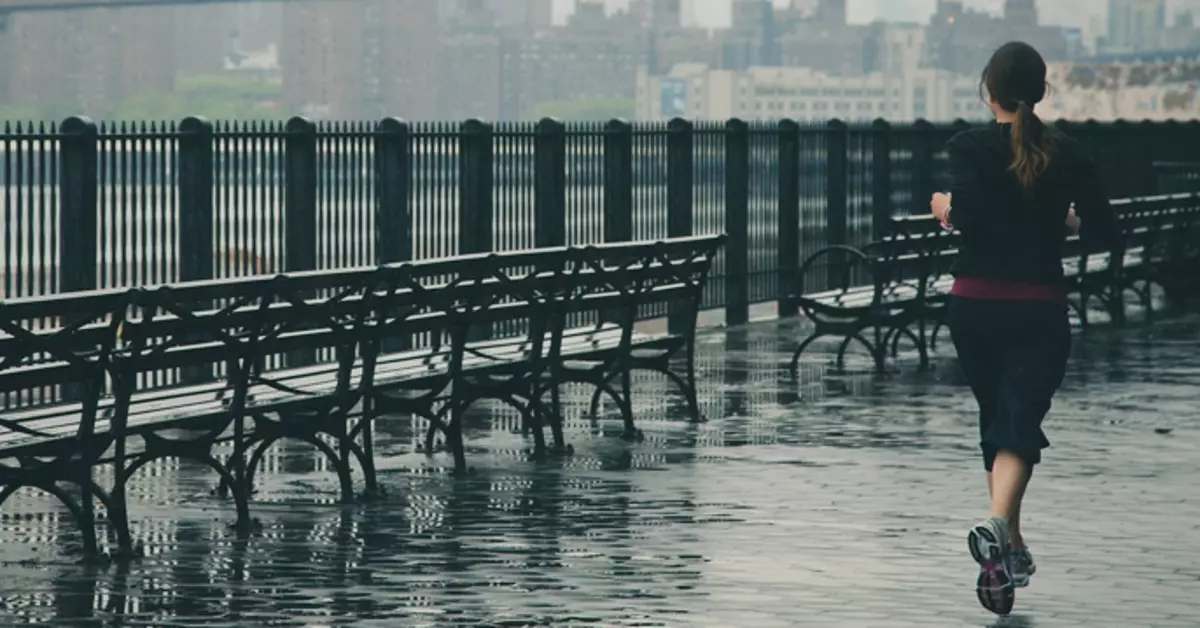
(626,402)
(364,430)
(877,351)
(436,425)
(1116,304)
(687,387)
(340,465)
(531,416)
(118,515)
(87,514)
(454,438)
(552,414)
(919,340)
(794,366)
(158,449)
(937,328)
(79,512)
(1084,313)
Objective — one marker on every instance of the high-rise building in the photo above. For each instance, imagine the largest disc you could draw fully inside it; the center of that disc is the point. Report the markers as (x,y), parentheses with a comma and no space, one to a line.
(537,14)
(962,39)
(658,14)
(376,58)
(1135,25)
(86,61)
(530,13)
(831,11)
(1021,12)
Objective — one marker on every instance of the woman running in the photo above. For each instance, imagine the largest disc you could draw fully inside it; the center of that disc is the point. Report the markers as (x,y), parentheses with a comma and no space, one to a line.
(1013,186)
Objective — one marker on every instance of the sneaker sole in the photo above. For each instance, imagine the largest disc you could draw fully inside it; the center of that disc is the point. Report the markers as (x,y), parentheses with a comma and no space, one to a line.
(994,587)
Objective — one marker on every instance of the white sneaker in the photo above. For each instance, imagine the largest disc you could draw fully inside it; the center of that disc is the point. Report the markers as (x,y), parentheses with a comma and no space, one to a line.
(988,542)
(1022,566)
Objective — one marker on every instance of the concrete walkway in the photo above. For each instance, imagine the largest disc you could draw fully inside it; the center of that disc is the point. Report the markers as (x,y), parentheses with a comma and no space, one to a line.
(838,500)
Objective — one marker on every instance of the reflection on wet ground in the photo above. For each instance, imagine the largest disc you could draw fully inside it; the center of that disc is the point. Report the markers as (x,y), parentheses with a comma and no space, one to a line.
(839,500)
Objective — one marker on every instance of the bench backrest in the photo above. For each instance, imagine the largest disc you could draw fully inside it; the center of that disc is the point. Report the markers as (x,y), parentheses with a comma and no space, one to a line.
(55,349)
(915,250)
(623,279)
(229,330)
(57,340)
(235,325)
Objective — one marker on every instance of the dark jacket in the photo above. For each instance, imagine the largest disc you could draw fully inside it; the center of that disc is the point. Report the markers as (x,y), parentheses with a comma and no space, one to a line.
(1008,233)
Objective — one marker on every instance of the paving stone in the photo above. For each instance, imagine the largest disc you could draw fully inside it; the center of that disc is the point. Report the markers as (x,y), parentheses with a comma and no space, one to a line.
(836,500)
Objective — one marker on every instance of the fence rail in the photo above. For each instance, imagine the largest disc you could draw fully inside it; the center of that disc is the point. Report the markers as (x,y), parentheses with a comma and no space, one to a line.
(91,205)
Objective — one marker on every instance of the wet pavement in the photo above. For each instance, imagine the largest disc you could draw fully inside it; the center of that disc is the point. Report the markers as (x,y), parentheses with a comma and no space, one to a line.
(838,500)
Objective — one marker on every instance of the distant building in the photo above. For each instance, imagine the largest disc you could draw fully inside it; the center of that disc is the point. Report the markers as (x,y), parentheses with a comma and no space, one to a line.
(497,13)
(366,59)
(89,60)
(86,61)
(1135,25)
(503,72)
(962,40)
(763,35)
(1161,86)
(469,76)
(804,94)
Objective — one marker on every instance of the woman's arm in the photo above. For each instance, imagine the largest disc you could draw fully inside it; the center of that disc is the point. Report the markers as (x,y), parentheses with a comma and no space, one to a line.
(966,189)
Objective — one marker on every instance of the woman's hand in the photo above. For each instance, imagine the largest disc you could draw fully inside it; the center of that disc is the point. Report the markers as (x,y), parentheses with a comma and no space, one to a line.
(1072,220)
(939,205)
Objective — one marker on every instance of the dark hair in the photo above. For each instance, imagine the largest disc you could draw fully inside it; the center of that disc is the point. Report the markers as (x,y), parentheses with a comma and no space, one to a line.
(1015,78)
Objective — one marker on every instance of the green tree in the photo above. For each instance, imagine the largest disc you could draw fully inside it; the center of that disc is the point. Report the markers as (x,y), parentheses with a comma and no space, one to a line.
(213,97)
(577,110)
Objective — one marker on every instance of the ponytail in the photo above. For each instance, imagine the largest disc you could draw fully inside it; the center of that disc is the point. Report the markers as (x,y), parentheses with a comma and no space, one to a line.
(1032,145)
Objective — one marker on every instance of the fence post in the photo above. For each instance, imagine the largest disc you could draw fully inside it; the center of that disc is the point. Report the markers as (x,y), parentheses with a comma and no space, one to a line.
(618,181)
(1145,136)
(1088,134)
(196,246)
(300,209)
(681,141)
(475,187)
(881,177)
(737,209)
(550,184)
(393,185)
(922,165)
(837,144)
(78,184)
(789,219)
(195,187)
(300,196)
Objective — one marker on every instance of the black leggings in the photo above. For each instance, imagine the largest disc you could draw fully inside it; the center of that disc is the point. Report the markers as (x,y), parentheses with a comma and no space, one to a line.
(1014,355)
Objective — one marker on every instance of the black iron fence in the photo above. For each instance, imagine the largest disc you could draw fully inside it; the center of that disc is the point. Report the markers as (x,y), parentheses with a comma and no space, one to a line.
(101,205)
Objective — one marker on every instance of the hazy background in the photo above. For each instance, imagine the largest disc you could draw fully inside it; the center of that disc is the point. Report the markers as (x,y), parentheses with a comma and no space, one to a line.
(808,60)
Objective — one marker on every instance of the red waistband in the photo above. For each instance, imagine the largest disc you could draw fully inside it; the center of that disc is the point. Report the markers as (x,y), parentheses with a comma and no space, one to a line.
(1006,290)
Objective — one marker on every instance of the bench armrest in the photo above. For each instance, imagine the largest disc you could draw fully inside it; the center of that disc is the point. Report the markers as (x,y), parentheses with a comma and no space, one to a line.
(853,257)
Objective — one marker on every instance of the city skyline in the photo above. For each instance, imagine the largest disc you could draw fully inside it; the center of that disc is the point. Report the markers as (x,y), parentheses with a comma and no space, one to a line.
(1086,15)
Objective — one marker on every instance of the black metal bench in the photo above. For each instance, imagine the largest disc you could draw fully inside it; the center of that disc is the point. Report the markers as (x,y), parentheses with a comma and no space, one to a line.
(1154,250)
(903,280)
(317,356)
(879,291)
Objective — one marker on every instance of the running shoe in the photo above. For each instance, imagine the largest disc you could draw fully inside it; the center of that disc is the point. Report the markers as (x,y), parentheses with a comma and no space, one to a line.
(1022,566)
(988,542)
